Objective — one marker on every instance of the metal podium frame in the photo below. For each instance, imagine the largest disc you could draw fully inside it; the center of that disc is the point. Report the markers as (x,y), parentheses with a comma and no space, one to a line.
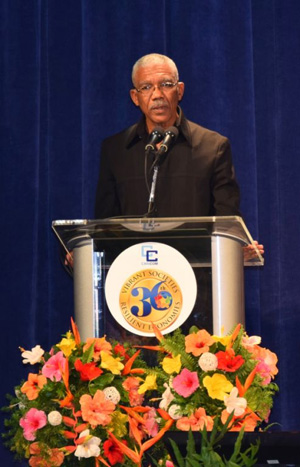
(215,242)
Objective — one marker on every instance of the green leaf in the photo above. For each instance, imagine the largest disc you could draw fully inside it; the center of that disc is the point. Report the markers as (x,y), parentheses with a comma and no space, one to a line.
(177,453)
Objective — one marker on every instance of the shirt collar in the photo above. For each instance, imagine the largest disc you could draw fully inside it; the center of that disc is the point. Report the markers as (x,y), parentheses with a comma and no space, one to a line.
(139,131)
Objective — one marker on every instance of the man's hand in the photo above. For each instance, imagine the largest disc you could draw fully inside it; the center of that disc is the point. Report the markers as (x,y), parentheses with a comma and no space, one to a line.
(69,261)
(250,253)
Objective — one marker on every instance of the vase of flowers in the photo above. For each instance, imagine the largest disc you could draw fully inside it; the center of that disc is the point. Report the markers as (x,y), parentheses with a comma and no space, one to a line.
(98,403)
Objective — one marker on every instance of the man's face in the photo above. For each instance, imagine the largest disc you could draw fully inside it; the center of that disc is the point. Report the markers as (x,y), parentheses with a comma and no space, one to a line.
(159,105)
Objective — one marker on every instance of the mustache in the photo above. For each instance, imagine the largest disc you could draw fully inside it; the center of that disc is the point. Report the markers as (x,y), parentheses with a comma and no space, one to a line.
(158,103)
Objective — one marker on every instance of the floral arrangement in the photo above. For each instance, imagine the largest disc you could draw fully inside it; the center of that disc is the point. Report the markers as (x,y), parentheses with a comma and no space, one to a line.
(85,403)
(206,376)
(99,403)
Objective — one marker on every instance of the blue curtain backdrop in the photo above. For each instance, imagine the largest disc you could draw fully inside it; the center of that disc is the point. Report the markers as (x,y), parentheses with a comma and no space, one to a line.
(65,75)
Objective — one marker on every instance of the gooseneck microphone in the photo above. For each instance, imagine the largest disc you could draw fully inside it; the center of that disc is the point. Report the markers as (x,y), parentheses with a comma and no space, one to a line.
(156,136)
(170,136)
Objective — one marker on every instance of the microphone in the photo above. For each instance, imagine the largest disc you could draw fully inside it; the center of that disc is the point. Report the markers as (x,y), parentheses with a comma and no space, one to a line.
(170,136)
(156,136)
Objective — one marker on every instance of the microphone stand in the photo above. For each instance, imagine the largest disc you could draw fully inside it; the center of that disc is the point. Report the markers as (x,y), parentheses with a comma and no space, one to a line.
(152,191)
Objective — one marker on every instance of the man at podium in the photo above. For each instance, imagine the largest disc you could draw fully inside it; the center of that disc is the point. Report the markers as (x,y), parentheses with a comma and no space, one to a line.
(195,177)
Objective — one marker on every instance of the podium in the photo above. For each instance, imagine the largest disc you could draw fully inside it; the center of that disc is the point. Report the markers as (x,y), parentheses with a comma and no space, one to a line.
(206,242)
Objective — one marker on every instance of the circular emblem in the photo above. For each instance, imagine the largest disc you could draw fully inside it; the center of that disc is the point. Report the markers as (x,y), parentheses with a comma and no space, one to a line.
(150,283)
(150,296)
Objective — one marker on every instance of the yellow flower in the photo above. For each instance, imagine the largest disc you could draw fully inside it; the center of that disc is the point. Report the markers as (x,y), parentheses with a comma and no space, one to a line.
(217,386)
(224,340)
(118,424)
(172,365)
(110,363)
(67,344)
(150,383)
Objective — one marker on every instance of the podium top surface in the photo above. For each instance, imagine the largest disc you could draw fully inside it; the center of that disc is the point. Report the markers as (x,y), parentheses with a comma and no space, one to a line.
(196,230)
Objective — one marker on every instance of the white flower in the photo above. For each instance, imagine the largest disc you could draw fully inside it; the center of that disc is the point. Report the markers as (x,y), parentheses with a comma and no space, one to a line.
(234,403)
(54,418)
(249,342)
(90,446)
(112,394)
(208,361)
(175,412)
(33,356)
(167,398)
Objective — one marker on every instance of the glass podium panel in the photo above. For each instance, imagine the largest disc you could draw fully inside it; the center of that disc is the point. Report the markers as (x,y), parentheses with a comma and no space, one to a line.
(206,242)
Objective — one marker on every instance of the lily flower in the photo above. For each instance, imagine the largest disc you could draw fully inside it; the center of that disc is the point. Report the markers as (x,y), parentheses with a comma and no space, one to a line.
(33,356)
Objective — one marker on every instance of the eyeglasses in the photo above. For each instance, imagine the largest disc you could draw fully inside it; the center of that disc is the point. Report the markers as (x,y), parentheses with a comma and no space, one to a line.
(164,87)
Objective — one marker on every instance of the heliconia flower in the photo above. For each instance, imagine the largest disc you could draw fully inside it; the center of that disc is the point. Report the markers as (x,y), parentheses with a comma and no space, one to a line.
(54,418)
(228,361)
(149,384)
(208,361)
(113,452)
(167,397)
(89,447)
(110,363)
(234,403)
(38,451)
(32,421)
(218,386)
(96,410)
(186,383)
(249,420)
(100,344)
(196,422)
(67,344)
(198,343)
(54,367)
(172,365)
(33,356)
(33,386)
(88,371)
(175,412)
(169,464)
(112,394)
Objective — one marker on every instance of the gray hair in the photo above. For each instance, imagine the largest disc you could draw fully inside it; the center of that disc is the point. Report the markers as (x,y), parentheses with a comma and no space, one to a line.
(151,59)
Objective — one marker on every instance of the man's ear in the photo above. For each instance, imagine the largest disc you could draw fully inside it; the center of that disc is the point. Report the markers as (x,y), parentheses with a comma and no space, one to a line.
(180,90)
(134,97)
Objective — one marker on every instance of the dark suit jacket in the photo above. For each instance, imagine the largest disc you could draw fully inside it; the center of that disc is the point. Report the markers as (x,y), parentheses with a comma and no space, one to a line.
(195,179)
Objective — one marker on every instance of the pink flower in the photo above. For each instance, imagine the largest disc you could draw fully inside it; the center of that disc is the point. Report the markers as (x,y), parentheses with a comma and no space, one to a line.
(33,420)
(151,424)
(54,367)
(265,372)
(186,382)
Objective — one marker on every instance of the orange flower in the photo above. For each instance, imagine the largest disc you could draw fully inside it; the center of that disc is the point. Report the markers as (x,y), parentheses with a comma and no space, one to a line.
(96,410)
(196,421)
(249,420)
(33,386)
(100,343)
(49,458)
(198,343)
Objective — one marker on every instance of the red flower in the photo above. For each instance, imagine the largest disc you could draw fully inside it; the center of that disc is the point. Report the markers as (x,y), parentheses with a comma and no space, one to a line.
(119,349)
(227,360)
(88,371)
(112,452)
